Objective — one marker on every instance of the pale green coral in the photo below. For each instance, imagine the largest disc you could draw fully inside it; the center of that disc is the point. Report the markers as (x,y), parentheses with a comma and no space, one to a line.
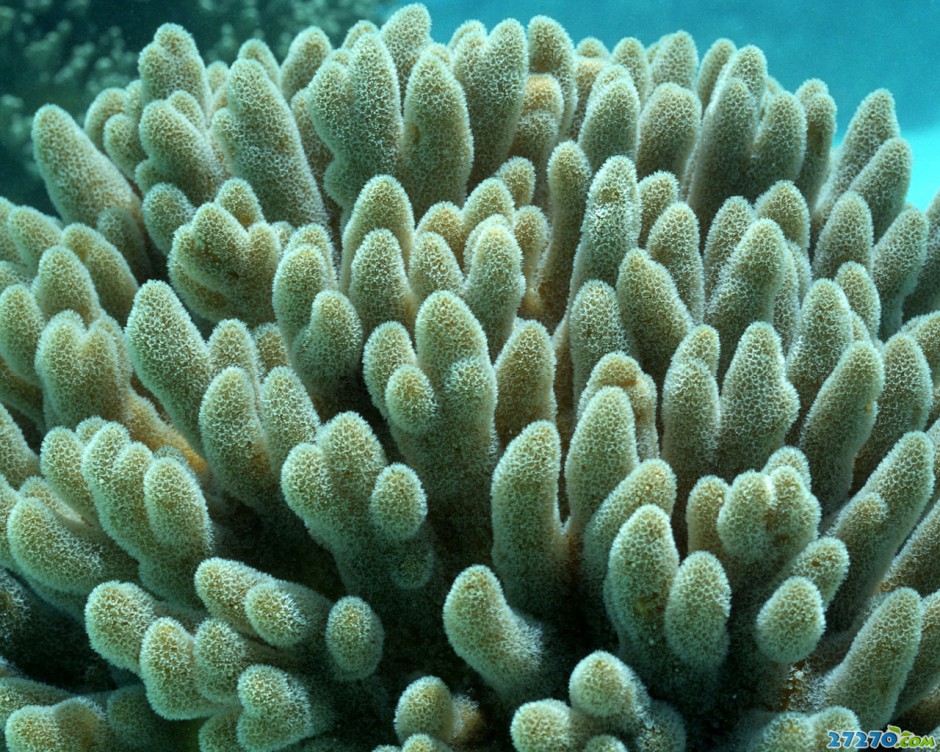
(69,52)
(503,392)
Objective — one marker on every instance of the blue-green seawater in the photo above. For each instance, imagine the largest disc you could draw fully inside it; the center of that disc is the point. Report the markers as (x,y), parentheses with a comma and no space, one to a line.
(855,46)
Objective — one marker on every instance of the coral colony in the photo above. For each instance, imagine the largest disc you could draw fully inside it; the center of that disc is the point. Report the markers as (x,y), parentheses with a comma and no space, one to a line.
(503,394)
(66,51)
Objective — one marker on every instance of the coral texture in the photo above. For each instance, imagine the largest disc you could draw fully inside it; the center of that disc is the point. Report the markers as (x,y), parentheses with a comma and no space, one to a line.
(67,51)
(853,53)
(499,394)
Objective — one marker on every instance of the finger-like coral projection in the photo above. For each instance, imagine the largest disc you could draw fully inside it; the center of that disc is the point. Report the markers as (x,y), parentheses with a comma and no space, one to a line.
(504,393)
(69,55)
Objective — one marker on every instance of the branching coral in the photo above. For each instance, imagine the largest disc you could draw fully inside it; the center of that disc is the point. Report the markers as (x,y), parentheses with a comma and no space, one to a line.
(67,51)
(504,392)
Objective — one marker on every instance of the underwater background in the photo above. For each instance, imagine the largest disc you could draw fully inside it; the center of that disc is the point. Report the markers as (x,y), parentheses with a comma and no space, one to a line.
(65,51)
(855,47)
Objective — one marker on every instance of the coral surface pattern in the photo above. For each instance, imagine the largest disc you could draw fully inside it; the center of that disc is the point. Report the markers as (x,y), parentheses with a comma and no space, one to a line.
(502,394)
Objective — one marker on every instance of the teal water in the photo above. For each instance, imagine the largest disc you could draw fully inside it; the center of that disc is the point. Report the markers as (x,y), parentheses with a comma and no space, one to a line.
(855,46)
